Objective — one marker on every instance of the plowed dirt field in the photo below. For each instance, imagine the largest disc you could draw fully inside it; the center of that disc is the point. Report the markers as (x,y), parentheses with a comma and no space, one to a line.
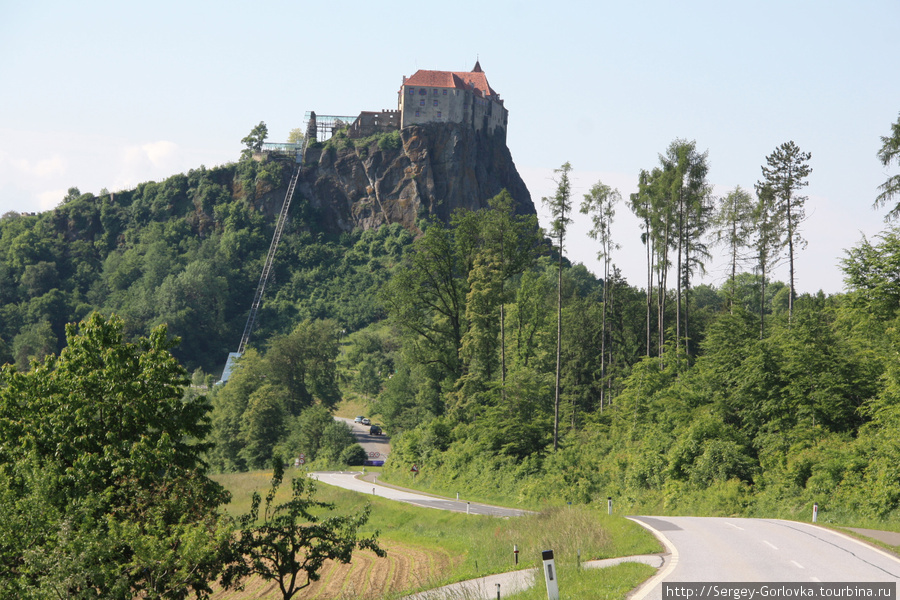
(367,577)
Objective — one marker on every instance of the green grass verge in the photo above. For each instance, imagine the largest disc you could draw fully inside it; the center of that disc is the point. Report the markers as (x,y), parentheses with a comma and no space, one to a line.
(479,545)
(470,493)
(610,583)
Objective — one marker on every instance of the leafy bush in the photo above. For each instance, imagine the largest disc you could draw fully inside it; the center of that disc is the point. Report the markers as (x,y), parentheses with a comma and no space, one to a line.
(389,141)
(354,455)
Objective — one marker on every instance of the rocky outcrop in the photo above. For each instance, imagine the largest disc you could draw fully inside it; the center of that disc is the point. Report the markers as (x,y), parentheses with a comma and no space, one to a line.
(434,169)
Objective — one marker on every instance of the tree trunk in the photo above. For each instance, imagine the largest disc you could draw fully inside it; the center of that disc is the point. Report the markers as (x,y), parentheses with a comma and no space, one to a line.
(558,348)
(649,286)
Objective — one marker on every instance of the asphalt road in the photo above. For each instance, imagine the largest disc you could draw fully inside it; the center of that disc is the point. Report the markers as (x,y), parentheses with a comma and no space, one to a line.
(700,549)
(349,481)
(376,446)
(763,551)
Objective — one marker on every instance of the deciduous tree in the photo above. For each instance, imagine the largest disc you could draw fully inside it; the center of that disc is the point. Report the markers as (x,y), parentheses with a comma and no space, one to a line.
(254,140)
(304,362)
(767,243)
(560,206)
(689,195)
(101,445)
(640,204)
(289,543)
(426,299)
(600,203)
(734,225)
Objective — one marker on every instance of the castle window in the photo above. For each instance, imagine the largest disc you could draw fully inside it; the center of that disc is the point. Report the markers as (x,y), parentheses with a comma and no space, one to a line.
(445,92)
(423,91)
(435,92)
(422,102)
(417,114)
(412,91)
(435,102)
(438,114)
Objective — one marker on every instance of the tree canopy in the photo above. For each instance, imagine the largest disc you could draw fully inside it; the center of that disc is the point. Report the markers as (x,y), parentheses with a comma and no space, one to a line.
(890,153)
(105,490)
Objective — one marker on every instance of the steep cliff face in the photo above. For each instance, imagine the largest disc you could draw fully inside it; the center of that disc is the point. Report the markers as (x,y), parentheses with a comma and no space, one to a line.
(437,168)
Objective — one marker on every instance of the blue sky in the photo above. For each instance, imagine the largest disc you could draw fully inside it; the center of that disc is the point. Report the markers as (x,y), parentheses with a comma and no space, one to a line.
(101,94)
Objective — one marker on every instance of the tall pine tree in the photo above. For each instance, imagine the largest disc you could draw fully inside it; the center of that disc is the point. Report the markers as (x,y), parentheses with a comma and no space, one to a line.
(785,175)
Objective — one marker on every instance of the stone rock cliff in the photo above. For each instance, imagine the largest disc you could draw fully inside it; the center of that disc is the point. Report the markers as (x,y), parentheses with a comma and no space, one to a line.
(437,168)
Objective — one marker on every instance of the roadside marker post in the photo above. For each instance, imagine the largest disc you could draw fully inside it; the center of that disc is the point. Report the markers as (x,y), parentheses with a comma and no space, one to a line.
(550,575)
(815,512)
(609,505)
(467,508)
(498,591)
(516,552)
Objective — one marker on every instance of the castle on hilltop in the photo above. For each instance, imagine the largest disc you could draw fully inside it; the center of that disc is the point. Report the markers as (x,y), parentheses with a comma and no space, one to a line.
(463,97)
(451,97)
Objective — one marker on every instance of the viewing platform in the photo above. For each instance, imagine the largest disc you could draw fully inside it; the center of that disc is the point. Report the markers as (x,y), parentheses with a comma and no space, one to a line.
(284,149)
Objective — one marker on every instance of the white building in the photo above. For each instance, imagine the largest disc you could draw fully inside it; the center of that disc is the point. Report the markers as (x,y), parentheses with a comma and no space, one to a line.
(451,97)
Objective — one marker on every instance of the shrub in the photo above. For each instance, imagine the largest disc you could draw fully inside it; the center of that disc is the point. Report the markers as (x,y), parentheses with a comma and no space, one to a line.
(389,141)
(353,455)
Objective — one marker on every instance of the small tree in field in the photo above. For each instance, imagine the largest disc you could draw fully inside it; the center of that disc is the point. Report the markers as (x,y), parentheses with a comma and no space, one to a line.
(291,543)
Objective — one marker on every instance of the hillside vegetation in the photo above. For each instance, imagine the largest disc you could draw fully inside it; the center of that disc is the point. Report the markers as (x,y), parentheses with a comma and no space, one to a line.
(499,369)
(188,252)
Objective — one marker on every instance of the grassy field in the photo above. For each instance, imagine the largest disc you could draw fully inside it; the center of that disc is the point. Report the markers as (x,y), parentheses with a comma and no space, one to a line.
(428,548)
(352,406)
(611,583)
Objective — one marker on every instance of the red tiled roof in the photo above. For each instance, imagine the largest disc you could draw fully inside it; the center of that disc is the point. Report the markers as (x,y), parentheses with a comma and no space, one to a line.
(452,79)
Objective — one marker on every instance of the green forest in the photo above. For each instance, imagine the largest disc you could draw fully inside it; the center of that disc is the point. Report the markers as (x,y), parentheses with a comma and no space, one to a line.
(496,365)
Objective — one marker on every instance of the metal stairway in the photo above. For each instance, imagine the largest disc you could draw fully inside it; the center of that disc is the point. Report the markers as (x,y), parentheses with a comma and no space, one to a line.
(267,268)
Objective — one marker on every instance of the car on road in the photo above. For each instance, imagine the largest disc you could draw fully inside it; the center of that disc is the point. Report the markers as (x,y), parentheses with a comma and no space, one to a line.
(375,430)
(358,419)
(365,421)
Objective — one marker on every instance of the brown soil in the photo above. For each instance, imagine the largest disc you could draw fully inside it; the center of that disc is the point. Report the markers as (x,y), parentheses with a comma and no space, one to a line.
(366,577)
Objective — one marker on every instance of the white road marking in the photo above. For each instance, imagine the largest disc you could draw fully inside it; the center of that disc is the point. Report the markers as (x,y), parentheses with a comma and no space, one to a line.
(770,544)
(735,526)
(798,565)
(815,579)
(651,584)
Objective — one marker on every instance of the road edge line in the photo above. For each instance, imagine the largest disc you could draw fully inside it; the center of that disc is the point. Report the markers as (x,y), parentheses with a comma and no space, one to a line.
(651,583)
(830,529)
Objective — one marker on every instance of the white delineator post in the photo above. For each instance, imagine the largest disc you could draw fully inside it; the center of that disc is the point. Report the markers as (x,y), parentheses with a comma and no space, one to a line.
(550,575)
(815,512)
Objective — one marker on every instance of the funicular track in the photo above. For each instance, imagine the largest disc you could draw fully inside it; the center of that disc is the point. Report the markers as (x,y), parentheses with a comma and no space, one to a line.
(299,150)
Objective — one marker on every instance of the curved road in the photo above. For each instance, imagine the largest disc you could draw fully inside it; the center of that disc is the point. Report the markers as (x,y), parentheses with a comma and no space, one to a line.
(348,480)
(483,587)
(711,550)
(704,549)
